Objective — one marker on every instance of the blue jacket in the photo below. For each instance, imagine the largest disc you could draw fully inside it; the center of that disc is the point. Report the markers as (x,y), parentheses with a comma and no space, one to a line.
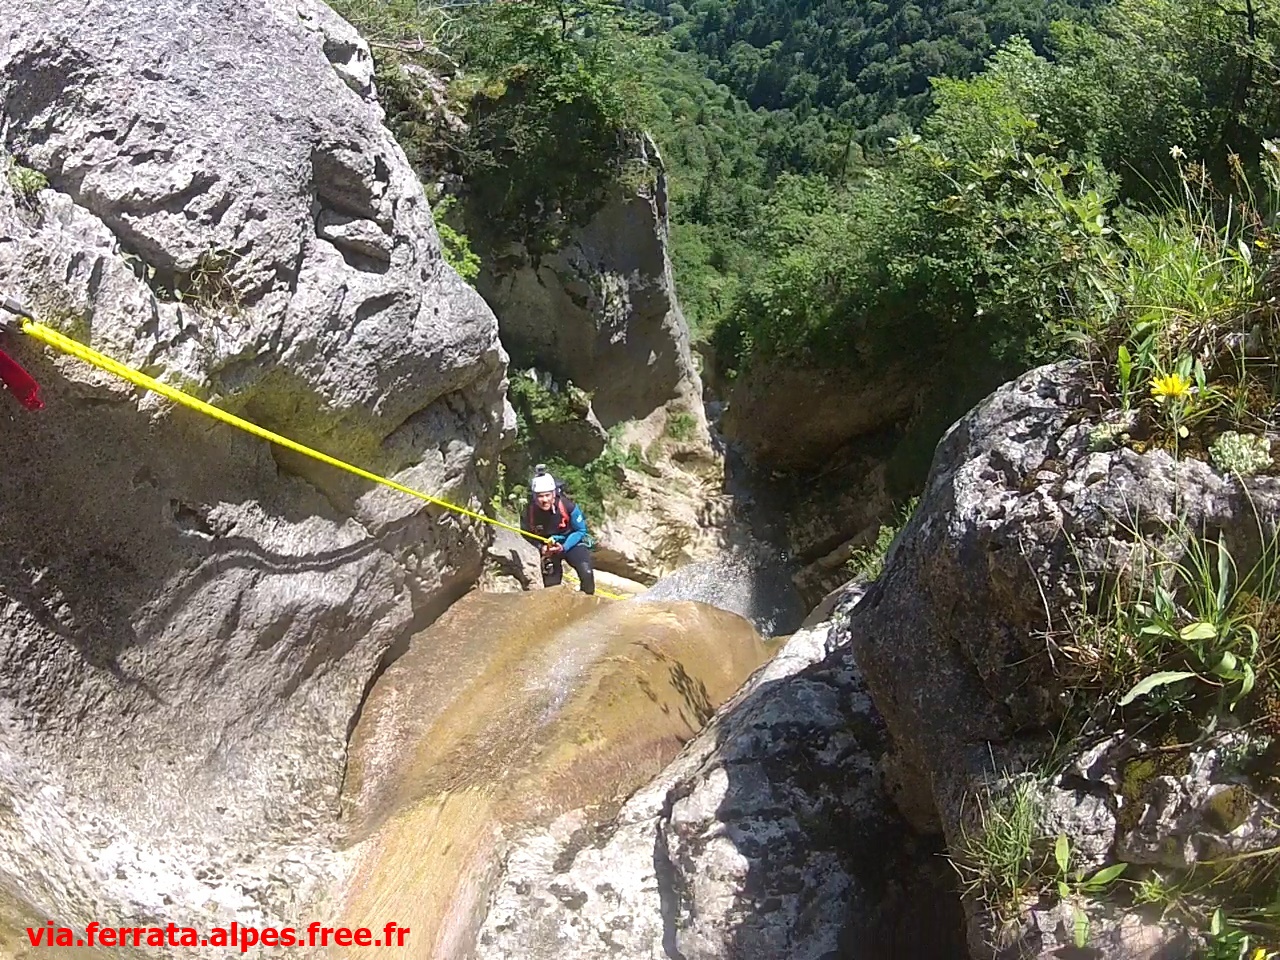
(563,523)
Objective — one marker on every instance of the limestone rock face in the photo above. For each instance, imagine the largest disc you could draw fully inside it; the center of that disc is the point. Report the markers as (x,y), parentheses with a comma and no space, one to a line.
(567,427)
(513,564)
(191,615)
(1027,512)
(676,513)
(602,311)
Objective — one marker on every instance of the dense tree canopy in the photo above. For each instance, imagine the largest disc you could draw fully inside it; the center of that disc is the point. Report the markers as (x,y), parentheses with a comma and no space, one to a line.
(1112,93)
(865,64)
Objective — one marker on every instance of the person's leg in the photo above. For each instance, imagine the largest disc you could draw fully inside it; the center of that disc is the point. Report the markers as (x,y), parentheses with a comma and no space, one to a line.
(552,571)
(580,559)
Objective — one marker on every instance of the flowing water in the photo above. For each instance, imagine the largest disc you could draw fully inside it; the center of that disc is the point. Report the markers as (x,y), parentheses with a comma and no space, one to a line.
(510,710)
(751,583)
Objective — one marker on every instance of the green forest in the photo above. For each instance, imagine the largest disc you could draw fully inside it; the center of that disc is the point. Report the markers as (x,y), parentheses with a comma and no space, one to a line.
(863,67)
(800,223)
(1099,171)
(977,186)
(980,185)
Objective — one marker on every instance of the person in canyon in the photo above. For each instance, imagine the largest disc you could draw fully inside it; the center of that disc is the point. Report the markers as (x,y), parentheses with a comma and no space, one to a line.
(552,515)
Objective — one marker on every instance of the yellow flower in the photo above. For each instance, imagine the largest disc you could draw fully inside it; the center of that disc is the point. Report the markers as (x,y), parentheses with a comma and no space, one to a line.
(1174,386)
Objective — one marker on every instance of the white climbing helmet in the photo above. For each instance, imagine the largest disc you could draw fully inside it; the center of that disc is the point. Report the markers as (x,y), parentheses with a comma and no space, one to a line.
(543,482)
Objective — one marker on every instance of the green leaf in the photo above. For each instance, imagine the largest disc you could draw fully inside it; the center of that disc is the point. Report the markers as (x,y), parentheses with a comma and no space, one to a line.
(1227,666)
(1062,852)
(1104,876)
(1215,922)
(1224,571)
(1252,634)
(1200,630)
(1147,684)
(1063,890)
(1247,683)
(1080,922)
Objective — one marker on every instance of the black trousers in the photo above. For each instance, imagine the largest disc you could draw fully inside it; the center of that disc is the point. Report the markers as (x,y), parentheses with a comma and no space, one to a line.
(580,559)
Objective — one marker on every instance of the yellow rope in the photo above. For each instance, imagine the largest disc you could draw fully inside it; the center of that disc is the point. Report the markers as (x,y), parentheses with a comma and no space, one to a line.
(56,340)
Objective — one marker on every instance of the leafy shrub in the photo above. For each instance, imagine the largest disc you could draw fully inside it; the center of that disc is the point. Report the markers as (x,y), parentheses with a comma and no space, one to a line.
(868,562)
(681,425)
(454,245)
(1242,453)
(555,88)
(541,400)
(26,183)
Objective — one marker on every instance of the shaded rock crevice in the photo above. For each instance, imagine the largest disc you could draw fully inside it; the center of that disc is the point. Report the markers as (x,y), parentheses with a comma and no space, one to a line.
(842,442)
(668,878)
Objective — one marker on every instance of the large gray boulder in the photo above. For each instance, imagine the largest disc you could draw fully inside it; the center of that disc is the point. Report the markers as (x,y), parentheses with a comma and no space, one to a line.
(1032,507)
(767,837)
(192,617)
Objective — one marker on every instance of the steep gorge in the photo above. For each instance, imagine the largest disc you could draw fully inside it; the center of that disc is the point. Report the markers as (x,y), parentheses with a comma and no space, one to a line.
(239,686)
